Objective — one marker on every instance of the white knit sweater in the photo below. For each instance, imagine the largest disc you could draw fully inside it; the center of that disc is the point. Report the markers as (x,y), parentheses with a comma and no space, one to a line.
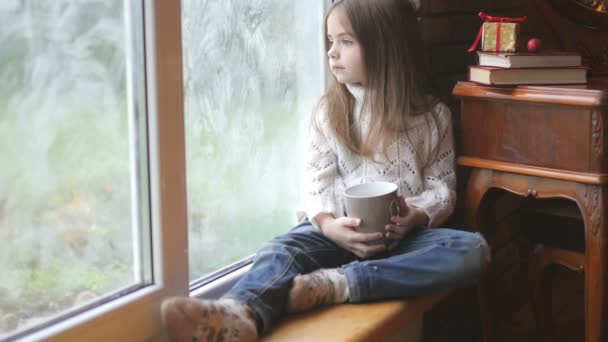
(420,162)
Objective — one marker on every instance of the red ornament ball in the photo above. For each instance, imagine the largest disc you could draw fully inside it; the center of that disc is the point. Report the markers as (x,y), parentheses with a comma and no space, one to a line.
(535,45)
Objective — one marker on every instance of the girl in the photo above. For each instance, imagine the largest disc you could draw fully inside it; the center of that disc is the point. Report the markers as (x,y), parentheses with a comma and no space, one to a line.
(377,122)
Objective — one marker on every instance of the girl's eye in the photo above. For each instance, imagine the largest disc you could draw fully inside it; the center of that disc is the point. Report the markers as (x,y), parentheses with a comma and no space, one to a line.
(347,42)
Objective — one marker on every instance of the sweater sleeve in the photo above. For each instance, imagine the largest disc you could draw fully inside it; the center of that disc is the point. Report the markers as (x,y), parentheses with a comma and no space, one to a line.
(438,175)
(320,172)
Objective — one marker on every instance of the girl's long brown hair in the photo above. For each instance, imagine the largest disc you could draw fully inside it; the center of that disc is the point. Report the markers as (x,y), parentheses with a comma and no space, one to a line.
(398,84)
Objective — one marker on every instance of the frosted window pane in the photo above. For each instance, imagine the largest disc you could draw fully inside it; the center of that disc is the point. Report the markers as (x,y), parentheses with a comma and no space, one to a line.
(66,155)
(252,73)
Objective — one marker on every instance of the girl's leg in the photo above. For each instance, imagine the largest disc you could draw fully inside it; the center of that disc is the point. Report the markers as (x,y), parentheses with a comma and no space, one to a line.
(426,261)
(262,292)
(266,285)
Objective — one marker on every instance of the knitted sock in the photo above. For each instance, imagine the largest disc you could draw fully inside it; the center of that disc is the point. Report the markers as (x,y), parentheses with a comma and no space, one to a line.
(321,287)
(191,320)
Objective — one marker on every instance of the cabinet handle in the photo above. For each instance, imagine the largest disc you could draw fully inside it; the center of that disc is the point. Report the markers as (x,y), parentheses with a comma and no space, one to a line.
(532,192)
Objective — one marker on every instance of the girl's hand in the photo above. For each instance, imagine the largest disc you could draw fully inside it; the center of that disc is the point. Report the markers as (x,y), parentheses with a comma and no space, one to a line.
(343,231)
(409,218)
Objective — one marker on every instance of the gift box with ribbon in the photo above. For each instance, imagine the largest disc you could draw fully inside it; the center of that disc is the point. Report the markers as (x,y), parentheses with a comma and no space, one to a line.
(498,34)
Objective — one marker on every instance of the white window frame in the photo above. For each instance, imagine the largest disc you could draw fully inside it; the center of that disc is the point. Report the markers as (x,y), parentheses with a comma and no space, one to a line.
(136,317)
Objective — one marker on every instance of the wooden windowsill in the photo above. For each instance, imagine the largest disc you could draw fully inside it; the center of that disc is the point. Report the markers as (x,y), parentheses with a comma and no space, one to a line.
(379,321)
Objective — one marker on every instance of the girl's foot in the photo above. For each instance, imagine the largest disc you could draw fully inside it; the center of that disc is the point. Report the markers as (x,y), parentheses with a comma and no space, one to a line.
(192,320)
(321,287)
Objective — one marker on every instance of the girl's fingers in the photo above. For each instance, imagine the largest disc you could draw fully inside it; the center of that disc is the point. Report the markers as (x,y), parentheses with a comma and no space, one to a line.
(365,251)
(352,222)
(397,232)
(398,228)
(401,220)
(366,237)
(404,209)
(394,236)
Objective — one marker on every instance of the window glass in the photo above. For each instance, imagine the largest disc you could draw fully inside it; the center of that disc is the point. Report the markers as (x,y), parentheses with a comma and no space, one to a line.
(73,212)
(253,71)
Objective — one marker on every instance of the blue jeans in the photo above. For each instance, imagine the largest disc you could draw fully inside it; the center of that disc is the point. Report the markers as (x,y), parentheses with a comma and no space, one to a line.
(426,261)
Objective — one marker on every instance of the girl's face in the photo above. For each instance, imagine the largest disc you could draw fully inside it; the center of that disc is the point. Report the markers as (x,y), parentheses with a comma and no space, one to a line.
(345,53)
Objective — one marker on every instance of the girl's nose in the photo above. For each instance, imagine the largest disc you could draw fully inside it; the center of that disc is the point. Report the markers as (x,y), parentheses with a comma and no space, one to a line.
(331,53)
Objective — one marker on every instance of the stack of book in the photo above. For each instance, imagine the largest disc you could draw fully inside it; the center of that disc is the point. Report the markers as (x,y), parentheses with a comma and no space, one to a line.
(531,68)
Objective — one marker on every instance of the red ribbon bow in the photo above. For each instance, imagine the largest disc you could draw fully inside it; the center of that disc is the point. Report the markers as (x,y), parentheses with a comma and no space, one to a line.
(492,19)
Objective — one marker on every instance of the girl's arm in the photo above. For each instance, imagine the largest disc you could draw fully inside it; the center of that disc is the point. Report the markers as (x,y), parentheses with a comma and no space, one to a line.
(320,173)
(439,177)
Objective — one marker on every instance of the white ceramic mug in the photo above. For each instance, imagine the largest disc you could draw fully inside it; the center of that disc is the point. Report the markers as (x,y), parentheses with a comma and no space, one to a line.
(374,203)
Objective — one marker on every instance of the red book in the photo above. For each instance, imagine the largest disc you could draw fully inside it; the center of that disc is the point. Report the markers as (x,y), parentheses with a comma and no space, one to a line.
(515,76)
(529,59)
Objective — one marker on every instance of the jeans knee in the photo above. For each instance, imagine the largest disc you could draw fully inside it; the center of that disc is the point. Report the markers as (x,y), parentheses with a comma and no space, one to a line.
(486,251)
(479,255)
(471,258)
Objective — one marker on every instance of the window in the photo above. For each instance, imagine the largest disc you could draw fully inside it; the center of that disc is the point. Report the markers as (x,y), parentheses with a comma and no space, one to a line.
(83,243)
(74,219)
(93,214)
(253,71)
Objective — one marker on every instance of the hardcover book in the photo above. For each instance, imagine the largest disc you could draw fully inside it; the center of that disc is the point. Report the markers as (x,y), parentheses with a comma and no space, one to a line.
(529,59)
(514,76)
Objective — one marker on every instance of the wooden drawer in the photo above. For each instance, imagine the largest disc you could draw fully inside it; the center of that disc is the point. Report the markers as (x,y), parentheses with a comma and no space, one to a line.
(556,132)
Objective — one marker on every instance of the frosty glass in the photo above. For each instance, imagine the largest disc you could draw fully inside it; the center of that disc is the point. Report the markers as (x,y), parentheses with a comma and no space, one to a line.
(253,71)
(71,175)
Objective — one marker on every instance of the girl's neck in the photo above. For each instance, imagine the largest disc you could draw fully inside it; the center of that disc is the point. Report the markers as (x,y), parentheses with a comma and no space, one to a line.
(356,90)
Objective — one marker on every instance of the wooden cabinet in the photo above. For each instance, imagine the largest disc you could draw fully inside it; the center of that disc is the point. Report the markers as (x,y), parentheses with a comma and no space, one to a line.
(541,142)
